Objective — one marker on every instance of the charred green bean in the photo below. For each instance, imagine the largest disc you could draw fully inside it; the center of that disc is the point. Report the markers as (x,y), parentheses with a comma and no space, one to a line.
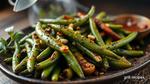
(53,43)
(45,53)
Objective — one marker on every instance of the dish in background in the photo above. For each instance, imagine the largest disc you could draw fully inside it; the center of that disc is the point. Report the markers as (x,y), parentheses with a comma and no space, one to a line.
(51,9)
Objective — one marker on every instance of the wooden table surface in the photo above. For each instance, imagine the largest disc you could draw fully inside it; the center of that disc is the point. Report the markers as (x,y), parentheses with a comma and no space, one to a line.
(20,20)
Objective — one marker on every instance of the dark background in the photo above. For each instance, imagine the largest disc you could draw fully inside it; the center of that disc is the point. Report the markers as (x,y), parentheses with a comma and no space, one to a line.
(120,6)
(3,4)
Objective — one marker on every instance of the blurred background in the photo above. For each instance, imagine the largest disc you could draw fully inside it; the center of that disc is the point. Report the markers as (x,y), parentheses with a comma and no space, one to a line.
(55,8)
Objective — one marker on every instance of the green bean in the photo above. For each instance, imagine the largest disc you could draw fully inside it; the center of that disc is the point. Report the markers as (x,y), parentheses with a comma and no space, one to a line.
(95,32)
(91,45)
(105,63)
(103,18)
(130,53)
(34,53)
(28,49)
(122,42)
(51,60)
(84,41)
(8,60)
(68,73)
(101,15)
(25,37)
(115,26)
(25,72)
(53,43)
(44,54)
(21,66)
(13,47)
(16,56)
(55,74)
(37,74)
(30,41)
(128,46)
(47,71)
(31,60)
(121,30)
(88,53)
(119,64)
(57,21)
(86,17)
(106,20)
(77,21)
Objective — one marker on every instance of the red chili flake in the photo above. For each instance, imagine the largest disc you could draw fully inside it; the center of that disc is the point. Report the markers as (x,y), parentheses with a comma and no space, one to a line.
(67,17)
(107,30)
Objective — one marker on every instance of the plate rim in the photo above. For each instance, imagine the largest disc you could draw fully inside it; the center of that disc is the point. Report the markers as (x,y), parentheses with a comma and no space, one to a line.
(112,76)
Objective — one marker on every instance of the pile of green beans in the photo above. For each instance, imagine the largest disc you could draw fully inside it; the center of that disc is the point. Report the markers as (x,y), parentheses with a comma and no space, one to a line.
(67,48)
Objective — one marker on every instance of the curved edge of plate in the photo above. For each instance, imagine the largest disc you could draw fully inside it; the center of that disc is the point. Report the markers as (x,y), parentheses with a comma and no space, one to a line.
(92,80)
